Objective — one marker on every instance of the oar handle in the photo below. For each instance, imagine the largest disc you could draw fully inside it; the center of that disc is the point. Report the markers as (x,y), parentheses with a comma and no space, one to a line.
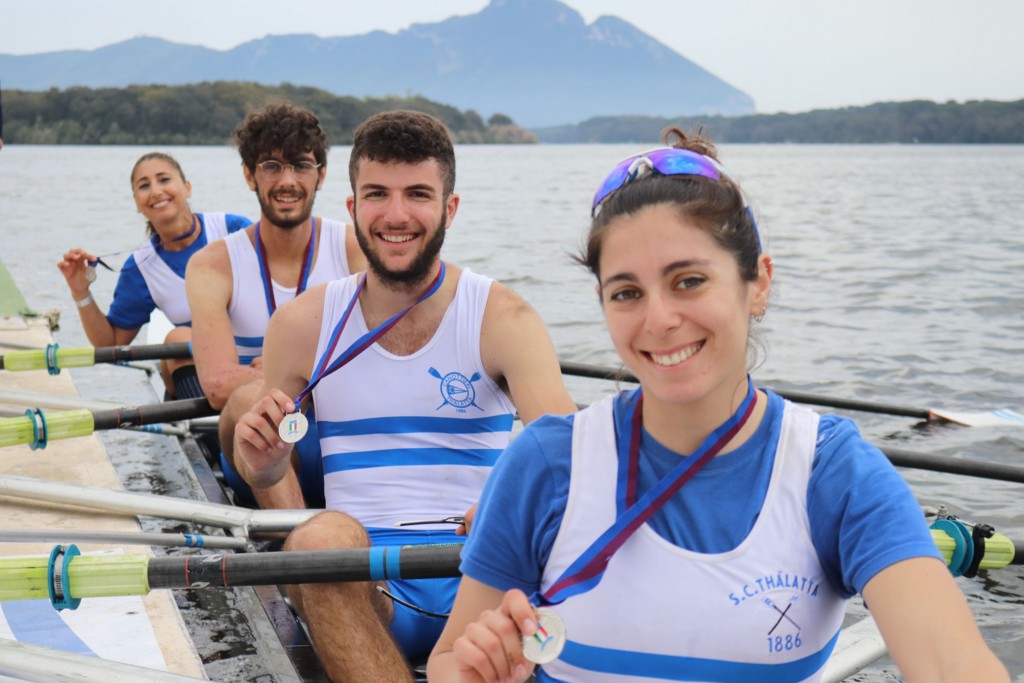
(88,576)
(51,358)
(38,428)
(54,358)
(961,552)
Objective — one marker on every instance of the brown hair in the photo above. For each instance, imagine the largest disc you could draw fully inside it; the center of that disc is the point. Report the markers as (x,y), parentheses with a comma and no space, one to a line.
(280,127)
(407,137)
(715,205)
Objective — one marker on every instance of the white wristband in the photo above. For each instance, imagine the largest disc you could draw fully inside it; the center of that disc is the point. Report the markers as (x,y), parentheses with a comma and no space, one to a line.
(82,303)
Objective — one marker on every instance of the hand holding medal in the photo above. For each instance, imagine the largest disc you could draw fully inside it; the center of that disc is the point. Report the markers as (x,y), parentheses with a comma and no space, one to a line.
(295,425)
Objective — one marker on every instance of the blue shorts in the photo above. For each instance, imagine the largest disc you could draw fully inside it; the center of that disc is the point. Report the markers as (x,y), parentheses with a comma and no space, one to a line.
(311,470)
(416,633)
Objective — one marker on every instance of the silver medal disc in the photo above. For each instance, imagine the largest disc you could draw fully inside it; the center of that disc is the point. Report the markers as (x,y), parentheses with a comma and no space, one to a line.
(293,427)
(90,274)
(546,644)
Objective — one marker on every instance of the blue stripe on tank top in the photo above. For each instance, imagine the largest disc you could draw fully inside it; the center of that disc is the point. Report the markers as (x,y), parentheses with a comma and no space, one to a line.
(409,424)
(405,457)
(246,360)
(249,341)
(35,622)
(674,668)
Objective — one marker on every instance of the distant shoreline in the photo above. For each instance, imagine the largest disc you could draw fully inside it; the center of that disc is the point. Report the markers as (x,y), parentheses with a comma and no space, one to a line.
(206,113)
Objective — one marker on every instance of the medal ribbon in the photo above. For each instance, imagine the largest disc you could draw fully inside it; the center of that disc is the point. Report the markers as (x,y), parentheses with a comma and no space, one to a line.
(322,370)
(307,266)
(586,572)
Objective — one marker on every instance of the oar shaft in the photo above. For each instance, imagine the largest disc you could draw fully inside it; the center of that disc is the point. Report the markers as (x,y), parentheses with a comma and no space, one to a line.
(167,540)
(24,662)
(122,354)
(623,375)
(55,358)
(316,566)
(165,507)
(168,411)
(941,463)
(849,404)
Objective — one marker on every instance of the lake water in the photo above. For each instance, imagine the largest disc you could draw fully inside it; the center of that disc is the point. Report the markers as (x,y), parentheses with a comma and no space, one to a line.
(898,280)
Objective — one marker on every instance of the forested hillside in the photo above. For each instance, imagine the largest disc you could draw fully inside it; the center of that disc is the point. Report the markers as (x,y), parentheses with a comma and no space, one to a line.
(886,122)
(207,113)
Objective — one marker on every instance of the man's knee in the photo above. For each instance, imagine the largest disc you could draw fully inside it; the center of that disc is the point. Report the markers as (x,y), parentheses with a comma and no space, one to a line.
(327,531)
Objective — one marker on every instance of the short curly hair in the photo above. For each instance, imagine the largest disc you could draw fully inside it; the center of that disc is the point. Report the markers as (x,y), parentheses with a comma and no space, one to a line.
(407,137)
(280,127)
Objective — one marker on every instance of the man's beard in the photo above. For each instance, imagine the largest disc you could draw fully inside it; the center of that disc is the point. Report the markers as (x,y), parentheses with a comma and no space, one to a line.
(276,219)
(417,272)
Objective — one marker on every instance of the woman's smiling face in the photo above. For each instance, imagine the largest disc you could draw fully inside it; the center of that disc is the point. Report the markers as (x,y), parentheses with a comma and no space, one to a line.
(677,310)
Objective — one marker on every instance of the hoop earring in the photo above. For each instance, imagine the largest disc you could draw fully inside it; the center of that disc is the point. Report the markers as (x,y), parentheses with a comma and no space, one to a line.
(760,316)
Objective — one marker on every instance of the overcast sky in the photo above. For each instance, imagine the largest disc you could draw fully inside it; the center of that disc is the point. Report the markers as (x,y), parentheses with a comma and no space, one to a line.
(789,55)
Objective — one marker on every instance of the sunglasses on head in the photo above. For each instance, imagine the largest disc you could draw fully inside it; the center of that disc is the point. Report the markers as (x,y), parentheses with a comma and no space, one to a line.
(664,161)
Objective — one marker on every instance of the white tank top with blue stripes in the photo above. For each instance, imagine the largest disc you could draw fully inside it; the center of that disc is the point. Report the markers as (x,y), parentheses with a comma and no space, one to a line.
(166,287)
(410,437)
(763,611)
(248,307)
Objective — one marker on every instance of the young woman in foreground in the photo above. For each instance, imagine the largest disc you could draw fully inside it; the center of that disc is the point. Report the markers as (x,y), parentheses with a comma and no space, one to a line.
(154,275)
(744,572)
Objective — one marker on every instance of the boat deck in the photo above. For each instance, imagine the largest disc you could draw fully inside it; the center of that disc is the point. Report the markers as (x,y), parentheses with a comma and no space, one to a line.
(146,631)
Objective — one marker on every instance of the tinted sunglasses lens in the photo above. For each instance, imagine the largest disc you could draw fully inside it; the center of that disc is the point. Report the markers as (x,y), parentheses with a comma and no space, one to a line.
(613,181)
(665,161)
(682,162)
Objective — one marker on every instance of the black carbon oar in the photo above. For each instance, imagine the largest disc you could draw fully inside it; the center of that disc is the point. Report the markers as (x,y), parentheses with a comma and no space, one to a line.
(1001,416)
(940,463)
(37,428)
(66,576)
(54,358)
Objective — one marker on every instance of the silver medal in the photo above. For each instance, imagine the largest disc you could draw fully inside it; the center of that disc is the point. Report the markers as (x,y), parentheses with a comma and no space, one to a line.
(546,644)
(293,427)
(90,274)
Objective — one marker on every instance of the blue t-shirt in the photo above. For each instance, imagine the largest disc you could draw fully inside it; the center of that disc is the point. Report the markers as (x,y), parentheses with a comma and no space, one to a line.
(133,304)
(863,515)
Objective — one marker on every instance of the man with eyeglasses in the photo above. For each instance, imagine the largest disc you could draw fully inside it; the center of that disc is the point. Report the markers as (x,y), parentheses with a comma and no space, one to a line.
(234,286)
(417,368)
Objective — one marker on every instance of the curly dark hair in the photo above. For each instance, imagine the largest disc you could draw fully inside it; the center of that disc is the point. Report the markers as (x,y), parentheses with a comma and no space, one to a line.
(280,127)
(407,137)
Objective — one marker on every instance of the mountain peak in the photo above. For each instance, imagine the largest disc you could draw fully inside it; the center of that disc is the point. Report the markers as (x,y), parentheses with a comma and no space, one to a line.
(534,60)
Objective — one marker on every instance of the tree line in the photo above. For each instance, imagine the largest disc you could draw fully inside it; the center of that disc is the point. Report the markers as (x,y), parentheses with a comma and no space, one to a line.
(207,113)
(973,122)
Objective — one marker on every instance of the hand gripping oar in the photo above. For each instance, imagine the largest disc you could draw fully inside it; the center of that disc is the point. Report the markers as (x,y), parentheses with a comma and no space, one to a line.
(67,576)
(54,359)
(1000,417)
(37,428)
